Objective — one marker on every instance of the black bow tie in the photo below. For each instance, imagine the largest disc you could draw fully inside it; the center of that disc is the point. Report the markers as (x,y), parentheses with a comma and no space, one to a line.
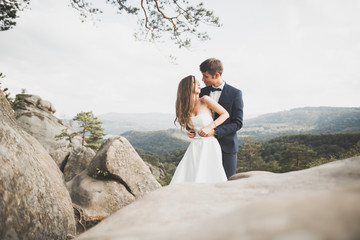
(214,89)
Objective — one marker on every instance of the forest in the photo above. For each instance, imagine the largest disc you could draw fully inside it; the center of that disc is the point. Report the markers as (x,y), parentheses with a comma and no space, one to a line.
(281,154)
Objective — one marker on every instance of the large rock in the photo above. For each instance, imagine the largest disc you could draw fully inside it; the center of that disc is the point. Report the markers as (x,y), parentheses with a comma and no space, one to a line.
(78,160)
(36,117)
(34,202)
(157,172)
(120,159)
(318,203)
(73,160)
(98,198)
(61,156)
(115,177)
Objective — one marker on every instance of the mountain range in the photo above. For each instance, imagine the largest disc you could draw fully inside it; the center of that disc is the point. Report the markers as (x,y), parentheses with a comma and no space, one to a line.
(298,120)
(156,132)
(161,141)
(118,123)
(314,120)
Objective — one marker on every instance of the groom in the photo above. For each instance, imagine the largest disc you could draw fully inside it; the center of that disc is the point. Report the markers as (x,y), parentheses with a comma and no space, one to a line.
(231,99)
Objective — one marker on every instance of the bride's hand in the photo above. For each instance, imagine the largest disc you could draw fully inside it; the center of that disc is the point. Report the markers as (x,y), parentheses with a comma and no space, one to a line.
(205,132)
(191,133)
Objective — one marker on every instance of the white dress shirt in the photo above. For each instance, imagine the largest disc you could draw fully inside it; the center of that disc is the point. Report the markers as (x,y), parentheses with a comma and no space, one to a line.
(216,94)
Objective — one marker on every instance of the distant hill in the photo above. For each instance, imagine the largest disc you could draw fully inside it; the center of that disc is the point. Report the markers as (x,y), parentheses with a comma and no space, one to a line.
(303,120)
(298,120)
(325,145)
(118,123)
(158,141)
(147,131)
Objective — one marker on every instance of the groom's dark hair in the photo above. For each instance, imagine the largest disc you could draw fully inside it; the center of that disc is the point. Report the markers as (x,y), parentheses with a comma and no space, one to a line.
(212,66)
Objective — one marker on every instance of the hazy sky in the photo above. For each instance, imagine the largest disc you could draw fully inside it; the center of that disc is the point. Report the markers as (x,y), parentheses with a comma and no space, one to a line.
(282,54)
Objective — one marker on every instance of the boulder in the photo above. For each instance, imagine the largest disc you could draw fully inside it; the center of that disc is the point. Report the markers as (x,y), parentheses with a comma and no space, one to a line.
(34,202)
(115,177)
(121,161)
(61,156)
(72,160)
(98,198)
(78,160)
(30,102)
(317,203)
(36,117)
(157,172)
(46,106)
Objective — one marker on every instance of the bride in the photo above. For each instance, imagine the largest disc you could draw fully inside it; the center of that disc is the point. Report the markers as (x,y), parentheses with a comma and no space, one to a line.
(202,160)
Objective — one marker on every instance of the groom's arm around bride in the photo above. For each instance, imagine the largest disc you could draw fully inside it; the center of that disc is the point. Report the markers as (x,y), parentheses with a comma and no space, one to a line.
(231,99)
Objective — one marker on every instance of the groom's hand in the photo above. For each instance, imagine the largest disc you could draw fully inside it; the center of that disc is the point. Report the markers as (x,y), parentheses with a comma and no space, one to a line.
(191,133)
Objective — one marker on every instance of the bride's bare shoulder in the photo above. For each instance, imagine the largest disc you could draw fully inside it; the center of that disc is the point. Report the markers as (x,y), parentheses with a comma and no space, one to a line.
(205,98)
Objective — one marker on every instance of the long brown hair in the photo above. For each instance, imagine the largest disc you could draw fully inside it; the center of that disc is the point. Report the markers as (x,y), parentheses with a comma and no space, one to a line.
(184,102)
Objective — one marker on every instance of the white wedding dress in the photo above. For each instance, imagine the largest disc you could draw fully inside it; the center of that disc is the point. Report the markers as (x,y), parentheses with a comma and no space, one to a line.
(202,161)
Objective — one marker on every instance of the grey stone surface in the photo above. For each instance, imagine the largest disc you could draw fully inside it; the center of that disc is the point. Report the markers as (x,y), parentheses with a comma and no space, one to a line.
(157,172)
(61,155)
(316,204)
(115,177)
(249,174)
(34,202)
(78,160)
(40,122)
(98,198)
(120,159)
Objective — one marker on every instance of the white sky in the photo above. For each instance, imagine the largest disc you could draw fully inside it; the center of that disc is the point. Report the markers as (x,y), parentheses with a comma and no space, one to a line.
(282,54)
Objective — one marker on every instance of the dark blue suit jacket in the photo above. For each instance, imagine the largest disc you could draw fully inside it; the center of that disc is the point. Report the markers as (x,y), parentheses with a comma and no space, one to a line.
(231,100)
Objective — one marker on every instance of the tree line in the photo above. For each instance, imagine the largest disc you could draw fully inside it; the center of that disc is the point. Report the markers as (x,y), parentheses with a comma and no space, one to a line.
(160,141)
(281,154)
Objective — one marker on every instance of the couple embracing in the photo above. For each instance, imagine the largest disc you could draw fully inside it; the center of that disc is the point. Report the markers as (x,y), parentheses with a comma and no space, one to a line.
(212,116)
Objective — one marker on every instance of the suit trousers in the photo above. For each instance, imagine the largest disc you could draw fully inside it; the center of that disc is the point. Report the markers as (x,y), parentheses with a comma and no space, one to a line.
(229,163)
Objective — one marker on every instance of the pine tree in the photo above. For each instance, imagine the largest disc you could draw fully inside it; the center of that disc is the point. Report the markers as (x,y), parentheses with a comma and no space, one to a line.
(296,156)
(249,155)
(68,136)
(90,124)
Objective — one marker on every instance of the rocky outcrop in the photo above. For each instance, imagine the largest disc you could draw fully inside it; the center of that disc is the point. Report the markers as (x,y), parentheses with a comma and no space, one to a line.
(115,177)
(98,198)
(61,156)
(317,203)
(36,117)
(73,161)
(117,157)
(157,172)
(28,102)
(79,159)
(34,202)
